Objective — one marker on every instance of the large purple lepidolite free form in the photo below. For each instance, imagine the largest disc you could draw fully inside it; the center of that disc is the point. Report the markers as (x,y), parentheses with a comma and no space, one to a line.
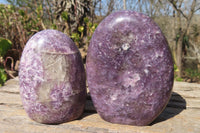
(129,69)
(52,78)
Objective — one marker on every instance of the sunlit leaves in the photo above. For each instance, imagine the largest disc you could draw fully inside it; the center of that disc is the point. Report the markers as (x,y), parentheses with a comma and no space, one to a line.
(5,45)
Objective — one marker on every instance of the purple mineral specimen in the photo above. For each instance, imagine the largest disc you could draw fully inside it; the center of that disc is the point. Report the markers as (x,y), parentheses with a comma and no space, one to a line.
(129,69)
(52,78)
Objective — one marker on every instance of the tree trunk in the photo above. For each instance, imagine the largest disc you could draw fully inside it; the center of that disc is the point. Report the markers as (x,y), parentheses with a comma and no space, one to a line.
(174,47)
(100,7)
(179,54)
(124,4)
(179,46)
(182,32)
(151,8)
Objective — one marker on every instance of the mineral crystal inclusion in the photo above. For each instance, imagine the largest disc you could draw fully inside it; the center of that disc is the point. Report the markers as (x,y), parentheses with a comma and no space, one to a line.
(129,69)
(52,78)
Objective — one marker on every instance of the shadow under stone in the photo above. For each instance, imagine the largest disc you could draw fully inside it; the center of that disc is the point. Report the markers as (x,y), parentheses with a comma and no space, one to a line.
(89,107)
(175,106)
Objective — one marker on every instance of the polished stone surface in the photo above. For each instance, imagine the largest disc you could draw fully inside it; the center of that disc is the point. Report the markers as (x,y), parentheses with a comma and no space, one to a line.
(52,78)
(129,69)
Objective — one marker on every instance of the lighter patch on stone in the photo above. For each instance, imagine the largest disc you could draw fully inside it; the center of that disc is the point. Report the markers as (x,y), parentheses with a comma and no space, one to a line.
(100,44)
(142,41)
(37,44)
(55,67)
(41,41)
(35,64)
(158,54)
(127,104)
(148,65)
(120,20)
(129,39)
(68,89)
(144,20)
(131,36)
(146,71)
(113,97)
(136,38)
(33,43)
(38,78)
(44,92)
(136,77)
(125,46)
(157,32)
(131,80)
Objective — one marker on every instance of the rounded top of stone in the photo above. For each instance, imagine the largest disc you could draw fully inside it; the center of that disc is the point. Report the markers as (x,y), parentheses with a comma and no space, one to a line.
(52,41)
(132,28)
(126,17)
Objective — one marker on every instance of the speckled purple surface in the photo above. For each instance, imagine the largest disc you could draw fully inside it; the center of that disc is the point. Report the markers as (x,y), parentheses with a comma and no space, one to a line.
(129,69)
(52,78)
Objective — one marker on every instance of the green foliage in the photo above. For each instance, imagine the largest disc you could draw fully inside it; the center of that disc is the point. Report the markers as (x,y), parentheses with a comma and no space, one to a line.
(54,26)
(94,27)
(91,27)
(23,18)
(86,20)
(179,79)
(87,28)
(80,29)
(89,24)
(186,41)
(64,15)
(21,12)
(175,68)
(195,31)
(192,73)
(5,45)
(3,76)
(39,11)
(75,37)
(175,75)
(19,23)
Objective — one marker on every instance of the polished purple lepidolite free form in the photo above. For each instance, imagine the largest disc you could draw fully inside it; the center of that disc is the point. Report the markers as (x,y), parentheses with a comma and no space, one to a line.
(52,78)
(129,69)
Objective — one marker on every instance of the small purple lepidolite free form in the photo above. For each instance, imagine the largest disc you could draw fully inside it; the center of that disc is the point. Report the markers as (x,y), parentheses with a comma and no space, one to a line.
(52,78)
(129,69)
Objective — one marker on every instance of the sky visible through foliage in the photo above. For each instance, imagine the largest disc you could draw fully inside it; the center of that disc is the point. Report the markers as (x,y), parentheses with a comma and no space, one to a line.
(3,2)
